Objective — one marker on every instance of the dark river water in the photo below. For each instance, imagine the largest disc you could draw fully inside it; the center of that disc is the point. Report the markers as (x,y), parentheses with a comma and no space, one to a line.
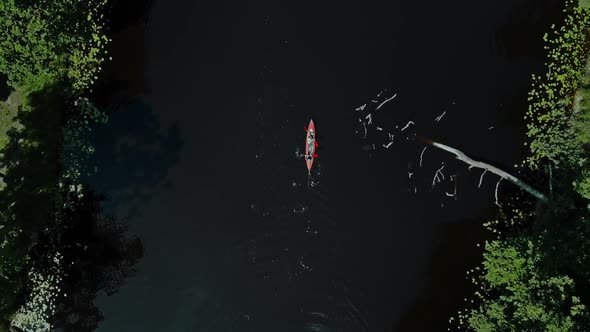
(209,100)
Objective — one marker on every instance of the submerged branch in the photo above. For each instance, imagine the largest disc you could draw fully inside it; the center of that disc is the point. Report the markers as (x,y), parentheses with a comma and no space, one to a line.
(487,167)
(383,103)
(496,192)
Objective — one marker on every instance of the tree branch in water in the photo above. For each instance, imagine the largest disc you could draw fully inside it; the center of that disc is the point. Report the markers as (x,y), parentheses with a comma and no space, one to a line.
(487,167)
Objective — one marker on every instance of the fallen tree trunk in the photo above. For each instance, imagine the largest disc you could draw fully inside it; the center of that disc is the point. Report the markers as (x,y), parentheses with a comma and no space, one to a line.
(487,167)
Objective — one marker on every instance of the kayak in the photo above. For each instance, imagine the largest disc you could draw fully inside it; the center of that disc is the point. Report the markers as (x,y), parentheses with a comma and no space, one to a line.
(310,145)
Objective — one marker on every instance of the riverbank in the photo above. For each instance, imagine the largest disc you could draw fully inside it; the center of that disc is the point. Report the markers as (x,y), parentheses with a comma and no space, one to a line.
(51,58)
(535,274)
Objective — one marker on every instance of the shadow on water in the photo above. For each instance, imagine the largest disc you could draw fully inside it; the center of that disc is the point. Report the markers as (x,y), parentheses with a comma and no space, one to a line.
(102,257)
(123,13)
(522,34)
(455,252)
(522,37)
(133,155)
(122,77)
(133,151)
(99,255)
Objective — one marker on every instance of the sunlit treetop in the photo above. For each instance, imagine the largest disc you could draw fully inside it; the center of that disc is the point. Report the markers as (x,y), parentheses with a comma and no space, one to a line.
(45,40)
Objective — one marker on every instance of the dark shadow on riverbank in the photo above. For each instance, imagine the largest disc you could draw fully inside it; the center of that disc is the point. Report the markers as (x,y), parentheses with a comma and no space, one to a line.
(30,169)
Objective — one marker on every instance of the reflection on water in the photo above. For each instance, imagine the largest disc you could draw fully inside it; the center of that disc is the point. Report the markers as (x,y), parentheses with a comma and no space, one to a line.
(133,156)
(455,252)
(101,257)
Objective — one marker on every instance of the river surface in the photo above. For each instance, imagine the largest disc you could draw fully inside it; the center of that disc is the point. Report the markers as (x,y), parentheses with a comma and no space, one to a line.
(200,158)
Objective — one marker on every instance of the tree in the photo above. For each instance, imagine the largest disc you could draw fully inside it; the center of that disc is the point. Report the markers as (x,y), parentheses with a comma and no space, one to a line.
(518,295)
(45,40)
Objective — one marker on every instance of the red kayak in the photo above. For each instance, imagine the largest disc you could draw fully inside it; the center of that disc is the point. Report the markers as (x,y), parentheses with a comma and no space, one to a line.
(310,145)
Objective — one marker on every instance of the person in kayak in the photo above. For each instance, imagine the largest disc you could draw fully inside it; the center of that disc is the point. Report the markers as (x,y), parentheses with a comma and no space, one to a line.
(308,156)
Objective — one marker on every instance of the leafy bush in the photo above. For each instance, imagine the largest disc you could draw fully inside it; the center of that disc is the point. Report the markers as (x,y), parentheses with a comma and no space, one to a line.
(552,96)
(48,39)
(519,296)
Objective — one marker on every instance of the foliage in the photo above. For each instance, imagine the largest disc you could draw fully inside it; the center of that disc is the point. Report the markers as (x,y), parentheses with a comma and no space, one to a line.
(552,96)
(8,112)
(13,269)
(520,296)
(31,169)
(76,150)
(582,184)
(51,51)
(580,126)
(49,39)
(525,283)
(35,313)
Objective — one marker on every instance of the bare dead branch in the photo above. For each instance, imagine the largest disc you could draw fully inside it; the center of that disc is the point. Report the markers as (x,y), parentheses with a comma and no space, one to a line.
(386,100)
(441,173)
(481,177)
(422,154)
(407,125)
(436,177)
(474,163)
(496,192)
(454,194)
(440,116)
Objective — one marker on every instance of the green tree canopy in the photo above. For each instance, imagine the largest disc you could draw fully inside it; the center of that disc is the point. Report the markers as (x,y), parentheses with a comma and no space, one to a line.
(45,39)
(521,296)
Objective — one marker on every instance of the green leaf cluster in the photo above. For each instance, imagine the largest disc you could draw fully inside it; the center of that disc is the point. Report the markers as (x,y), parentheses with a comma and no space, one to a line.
(551,99)
(44,40)
(520,296)
(51,51)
